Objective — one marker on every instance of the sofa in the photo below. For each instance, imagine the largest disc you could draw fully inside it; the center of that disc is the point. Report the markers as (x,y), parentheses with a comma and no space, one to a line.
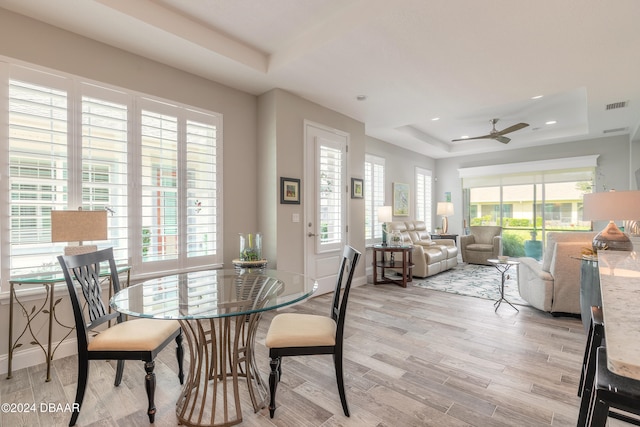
(429,256)
(553,285)
(482,243)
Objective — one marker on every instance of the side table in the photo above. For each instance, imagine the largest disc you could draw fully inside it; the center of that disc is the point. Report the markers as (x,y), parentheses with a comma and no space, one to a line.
(405,263)
(503,267)
(589,288)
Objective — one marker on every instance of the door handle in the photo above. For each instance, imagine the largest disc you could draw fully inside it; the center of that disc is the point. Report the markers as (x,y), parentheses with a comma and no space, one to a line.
(310,234)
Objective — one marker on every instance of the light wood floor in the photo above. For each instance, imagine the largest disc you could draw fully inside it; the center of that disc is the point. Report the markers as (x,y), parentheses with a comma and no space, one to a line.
(414,357)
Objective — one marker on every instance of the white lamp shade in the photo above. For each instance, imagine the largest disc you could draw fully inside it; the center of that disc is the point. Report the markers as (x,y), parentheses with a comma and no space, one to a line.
(444,208)
(385,214)
(611,206)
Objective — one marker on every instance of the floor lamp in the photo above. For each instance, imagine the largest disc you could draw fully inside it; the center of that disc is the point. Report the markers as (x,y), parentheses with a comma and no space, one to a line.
(445,209)
(78,226)
(611,206)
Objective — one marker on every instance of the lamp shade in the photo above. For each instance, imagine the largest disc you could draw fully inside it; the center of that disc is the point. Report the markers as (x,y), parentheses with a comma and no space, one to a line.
(444,208)
(78,226)
(385,214)
(611,206)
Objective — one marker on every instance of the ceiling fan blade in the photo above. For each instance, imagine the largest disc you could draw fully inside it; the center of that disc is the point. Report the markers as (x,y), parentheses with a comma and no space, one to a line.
(475,137)
(512,128)
(502,139)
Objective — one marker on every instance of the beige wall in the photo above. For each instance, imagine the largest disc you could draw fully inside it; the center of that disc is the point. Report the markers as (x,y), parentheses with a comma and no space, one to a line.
(282,116)
(400,166)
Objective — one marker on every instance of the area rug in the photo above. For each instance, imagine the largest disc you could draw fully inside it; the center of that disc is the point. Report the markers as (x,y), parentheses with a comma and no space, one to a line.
(480,281)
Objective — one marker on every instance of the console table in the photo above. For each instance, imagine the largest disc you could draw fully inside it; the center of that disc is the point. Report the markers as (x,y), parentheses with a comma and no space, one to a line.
(48,307)
(453,237)
(405,264)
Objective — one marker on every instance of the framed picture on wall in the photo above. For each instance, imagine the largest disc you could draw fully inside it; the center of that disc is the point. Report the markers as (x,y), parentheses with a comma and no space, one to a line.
(400,199)
(357,188)
(289,191)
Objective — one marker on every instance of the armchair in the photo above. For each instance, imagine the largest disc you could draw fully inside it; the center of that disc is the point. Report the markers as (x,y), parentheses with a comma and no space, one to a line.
(554,284)
(484,242)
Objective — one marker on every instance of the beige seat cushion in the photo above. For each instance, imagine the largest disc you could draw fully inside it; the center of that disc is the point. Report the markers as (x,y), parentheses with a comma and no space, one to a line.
(480,247)
(134,335)
(301,330)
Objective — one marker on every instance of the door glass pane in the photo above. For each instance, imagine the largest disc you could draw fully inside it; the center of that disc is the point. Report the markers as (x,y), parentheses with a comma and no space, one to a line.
(330,196)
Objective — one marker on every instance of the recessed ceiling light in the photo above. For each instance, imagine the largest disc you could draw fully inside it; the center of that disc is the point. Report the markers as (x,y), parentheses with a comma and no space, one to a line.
(361,97)
(435,119)
(464,137)
(536,97)
(550,122)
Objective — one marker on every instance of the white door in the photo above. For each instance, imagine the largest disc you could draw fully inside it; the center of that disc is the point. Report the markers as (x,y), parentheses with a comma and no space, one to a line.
(325,199)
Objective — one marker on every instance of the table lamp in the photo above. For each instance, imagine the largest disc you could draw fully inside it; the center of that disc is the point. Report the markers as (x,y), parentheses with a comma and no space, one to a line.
(611,206)
(445,209)
(385,214)
(78,226)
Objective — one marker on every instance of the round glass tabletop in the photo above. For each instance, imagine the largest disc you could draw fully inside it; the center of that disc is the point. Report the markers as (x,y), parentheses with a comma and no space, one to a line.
(213,293)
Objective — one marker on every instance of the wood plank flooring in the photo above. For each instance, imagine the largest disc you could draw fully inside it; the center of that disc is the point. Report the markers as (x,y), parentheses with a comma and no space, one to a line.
(413,357)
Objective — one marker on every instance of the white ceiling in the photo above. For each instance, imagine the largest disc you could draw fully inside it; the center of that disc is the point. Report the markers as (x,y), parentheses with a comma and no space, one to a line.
(464,61)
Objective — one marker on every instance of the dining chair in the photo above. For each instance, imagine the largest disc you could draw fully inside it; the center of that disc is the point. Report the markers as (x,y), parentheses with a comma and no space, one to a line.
(298,334)
(139,339)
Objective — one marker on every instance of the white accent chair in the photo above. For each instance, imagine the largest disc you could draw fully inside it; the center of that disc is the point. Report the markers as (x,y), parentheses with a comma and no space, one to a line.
(554,284)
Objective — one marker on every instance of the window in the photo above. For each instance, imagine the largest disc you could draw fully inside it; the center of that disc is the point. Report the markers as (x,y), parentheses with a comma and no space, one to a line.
(423,196)
(373,196)
(153,165)
(528,204)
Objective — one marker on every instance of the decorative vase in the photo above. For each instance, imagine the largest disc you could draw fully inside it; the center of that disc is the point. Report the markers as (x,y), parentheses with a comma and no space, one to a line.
(250,247)
(396,238)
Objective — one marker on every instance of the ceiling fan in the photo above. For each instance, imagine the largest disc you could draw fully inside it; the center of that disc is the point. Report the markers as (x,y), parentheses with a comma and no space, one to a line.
(497,134)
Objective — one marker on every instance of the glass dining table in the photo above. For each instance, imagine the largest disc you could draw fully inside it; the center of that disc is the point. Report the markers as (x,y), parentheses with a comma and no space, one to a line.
(219,311)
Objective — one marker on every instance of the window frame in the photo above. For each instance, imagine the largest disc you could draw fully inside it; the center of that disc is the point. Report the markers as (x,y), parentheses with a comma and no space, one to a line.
(77,90)
(374,195)
(427,206)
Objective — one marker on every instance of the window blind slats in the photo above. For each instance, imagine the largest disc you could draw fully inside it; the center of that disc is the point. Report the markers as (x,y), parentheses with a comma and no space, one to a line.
(74,143)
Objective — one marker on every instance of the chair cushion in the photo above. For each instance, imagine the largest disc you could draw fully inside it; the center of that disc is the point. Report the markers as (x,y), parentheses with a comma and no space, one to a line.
(134,335)
(301,330)
(480,247)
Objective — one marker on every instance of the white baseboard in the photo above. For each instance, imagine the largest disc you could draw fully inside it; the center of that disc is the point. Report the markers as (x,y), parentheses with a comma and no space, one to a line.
(359,281)
(34,356)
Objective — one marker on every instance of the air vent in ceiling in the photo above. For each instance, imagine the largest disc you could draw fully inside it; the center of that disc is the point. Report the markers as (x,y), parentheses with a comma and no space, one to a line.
(616,105)
(614,130)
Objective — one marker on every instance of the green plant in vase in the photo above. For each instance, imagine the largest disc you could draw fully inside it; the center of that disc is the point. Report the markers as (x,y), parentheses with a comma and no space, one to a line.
(250,247)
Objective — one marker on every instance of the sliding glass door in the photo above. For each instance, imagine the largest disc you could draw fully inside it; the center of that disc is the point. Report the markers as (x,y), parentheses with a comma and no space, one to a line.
(528,211)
